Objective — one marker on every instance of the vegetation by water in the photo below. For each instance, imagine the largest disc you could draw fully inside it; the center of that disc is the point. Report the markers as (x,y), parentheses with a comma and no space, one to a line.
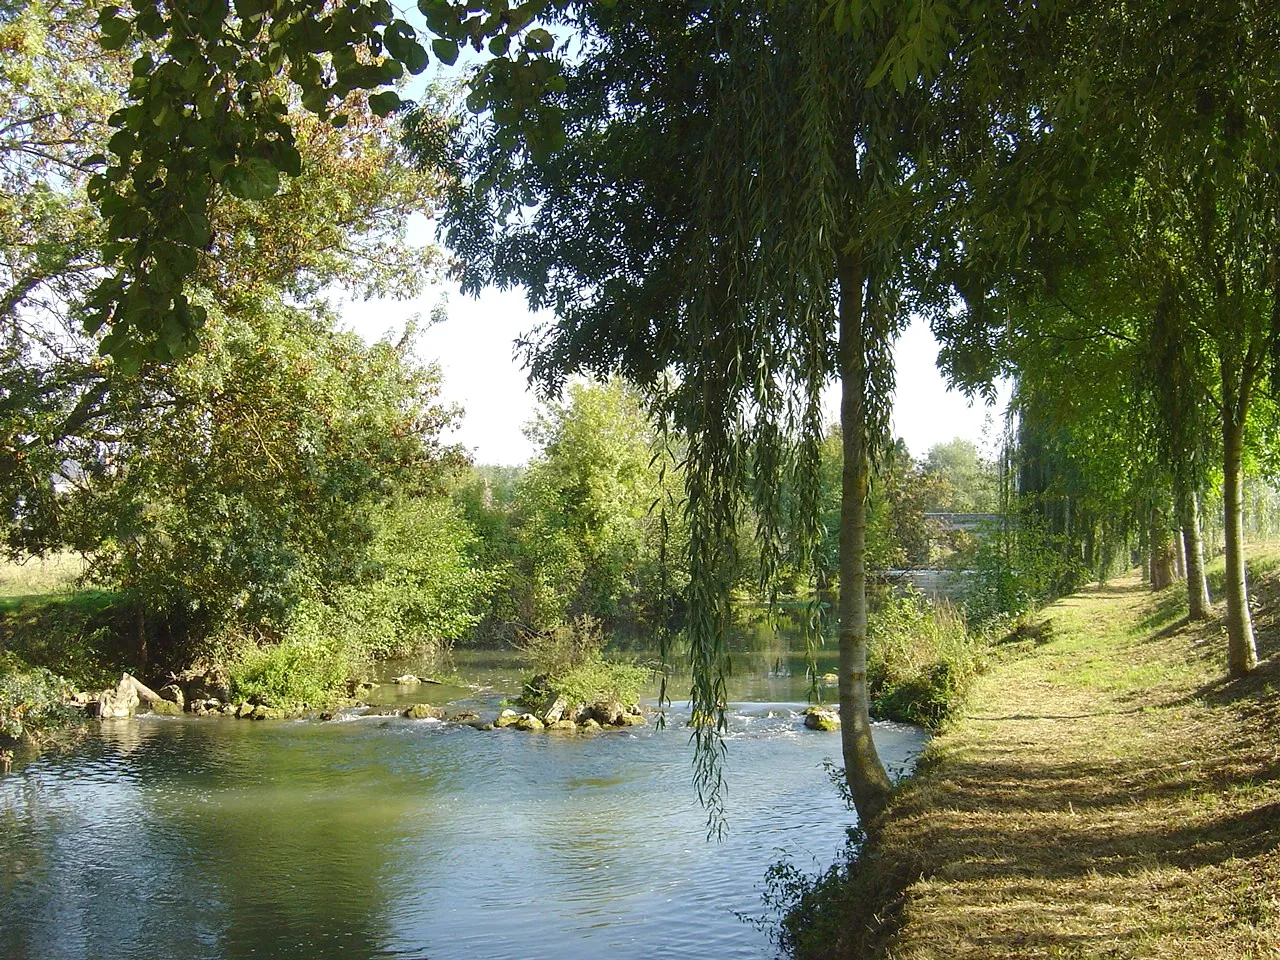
(1106,792)
(724,210)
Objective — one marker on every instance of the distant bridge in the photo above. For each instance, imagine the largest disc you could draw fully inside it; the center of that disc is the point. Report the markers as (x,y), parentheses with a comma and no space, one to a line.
(968,522)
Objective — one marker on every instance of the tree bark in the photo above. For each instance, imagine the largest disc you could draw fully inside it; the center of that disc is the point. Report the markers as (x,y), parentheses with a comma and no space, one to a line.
(1198,601)
(864,772)
(1161,551)
(1242,652)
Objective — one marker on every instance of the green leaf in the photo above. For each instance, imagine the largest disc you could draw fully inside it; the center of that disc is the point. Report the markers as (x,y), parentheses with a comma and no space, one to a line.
(445,50)
(253,178)
(539,40)
(384,103)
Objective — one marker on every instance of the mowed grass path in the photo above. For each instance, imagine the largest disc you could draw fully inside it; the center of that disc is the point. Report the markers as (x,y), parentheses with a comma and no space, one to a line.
(1107,794)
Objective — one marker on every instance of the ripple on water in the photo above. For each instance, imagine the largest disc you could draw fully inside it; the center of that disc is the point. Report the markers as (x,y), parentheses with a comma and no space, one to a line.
(385,837)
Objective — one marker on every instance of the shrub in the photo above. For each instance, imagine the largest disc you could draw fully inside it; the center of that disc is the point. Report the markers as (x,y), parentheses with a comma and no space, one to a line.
(32,700)
(568,661)
(303,668)
(921,659)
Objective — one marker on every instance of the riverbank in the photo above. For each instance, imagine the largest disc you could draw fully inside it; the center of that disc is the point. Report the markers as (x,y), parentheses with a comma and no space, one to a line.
(1106,793)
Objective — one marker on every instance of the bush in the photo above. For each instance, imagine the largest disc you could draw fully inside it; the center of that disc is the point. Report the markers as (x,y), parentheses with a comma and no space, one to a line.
(568,661)
(32,700)
(921,659)
(303,668)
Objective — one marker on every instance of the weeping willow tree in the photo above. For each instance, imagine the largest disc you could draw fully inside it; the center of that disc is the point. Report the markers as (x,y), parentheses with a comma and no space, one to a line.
(725,226)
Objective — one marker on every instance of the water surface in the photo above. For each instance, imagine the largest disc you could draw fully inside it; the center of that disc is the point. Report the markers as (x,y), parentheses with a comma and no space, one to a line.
(369,837)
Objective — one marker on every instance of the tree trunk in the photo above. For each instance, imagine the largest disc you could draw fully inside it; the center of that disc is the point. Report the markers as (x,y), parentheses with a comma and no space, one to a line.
(865,773)
(1242,652)
(1198,602)
(1161,551)
(1179,555)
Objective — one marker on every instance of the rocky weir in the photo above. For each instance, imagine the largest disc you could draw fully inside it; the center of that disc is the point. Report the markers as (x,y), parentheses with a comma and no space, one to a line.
(207,694)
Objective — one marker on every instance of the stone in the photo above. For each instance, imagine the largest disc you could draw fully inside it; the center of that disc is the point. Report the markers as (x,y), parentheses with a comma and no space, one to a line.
(589,724)
(112,707)
(566,725)
(209,683)
(480,725)
(406,680)
(553,708)
(822,718)
(424,711)
(326,716)
(607,713)
(527,721)
(507,718)
(166,708)
(263,712)
(464,716)
(630,720)
(244,711)
(228,709)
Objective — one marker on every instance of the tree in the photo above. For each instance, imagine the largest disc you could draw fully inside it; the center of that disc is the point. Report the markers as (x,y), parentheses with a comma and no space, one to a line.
(589,510)
(729,226)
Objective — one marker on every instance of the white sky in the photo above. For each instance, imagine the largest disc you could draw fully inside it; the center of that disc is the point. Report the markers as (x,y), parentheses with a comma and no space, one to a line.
(475,349)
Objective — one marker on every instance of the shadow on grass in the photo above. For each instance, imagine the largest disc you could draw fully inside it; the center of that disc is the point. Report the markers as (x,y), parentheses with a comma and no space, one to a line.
(1020,833)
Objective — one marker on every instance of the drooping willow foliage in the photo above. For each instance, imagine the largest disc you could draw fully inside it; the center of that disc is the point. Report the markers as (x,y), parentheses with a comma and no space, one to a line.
(722,161)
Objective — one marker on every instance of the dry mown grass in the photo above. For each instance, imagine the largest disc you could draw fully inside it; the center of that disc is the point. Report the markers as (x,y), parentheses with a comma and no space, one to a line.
(1107,794)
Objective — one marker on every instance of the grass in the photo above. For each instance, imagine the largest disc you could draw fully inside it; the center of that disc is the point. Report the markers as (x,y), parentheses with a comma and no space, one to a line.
(1107,793)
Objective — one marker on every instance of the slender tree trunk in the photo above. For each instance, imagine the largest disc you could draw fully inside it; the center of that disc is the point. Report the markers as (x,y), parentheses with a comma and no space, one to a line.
(1242,652)
(1161,551)
(1198,602)
(1179,555)
(865,773)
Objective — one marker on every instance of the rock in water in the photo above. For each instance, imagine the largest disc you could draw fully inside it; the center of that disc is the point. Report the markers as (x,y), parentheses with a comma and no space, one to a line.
(822,718)
(527,721)
(424,711)
(406,680)
(607,713)
(166,708)
(507,718)
(553,709)
(173,693)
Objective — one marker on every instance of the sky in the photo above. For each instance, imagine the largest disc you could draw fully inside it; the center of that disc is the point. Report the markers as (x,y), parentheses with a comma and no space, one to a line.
(475,348)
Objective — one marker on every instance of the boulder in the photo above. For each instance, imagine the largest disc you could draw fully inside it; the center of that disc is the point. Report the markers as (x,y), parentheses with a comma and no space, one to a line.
(263,712)
(527,721)
(566,725)
(480,725)
(607,713)
(822,718)
(589,725)
(507,718)
(553,709)
(229,710)
(630,720)
(198,683)
(112,704)
(244,711)
(424,711)
(464,716)
(166,708)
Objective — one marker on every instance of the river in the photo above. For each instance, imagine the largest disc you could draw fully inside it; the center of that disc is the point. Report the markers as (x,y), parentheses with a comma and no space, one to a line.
(374,837)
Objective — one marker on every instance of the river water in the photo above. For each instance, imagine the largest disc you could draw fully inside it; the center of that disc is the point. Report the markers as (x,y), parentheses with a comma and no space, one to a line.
(376,837)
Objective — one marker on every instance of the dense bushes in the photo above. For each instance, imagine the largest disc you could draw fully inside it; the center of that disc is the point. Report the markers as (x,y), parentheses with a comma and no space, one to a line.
(569,662)
(32,700)
(922,658)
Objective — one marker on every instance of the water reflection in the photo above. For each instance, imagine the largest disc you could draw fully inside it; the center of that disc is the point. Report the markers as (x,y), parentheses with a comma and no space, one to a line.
(395,838)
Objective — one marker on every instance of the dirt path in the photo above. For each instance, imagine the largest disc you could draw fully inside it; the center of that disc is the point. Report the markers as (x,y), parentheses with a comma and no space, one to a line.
(1106,795)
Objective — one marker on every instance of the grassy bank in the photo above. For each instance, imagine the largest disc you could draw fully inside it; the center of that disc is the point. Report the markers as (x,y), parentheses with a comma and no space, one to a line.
(1106,793)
